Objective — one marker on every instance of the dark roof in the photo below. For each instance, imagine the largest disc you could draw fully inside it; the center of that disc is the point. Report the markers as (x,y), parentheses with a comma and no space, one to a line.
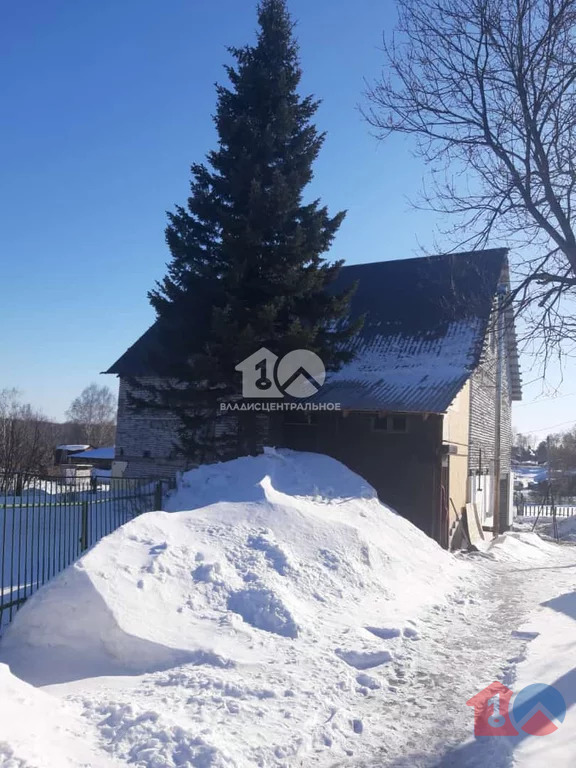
(425,325)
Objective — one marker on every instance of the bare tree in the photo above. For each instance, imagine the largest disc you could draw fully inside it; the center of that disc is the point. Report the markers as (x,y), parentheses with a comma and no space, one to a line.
(561,459)
(94,411)
(25,438)
(488,89)
(522,446)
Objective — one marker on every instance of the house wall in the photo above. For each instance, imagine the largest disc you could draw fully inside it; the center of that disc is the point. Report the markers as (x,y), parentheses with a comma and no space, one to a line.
(456,432)
(404,468)
(145,440)
(483,392)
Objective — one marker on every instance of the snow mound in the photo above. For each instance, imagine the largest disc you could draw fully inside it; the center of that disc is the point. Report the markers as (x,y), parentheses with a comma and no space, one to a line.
(279,577)
(274,474)
(521,546)
(39,731)
(279,543)
(566,529)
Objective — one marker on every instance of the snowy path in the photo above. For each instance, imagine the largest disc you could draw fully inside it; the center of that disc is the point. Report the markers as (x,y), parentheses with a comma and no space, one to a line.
(424,722)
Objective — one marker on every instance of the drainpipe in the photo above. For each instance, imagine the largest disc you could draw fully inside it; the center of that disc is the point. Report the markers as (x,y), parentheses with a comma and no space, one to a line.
(502,291)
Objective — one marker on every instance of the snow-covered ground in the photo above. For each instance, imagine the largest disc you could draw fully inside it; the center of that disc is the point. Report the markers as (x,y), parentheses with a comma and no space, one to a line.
(286,619)
(566,528)
(38,730)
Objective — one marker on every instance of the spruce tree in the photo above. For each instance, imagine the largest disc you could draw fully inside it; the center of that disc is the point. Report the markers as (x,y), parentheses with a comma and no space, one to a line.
(247,267)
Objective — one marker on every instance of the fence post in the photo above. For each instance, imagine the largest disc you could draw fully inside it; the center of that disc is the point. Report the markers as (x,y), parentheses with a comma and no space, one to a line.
(158,496)
(84,534)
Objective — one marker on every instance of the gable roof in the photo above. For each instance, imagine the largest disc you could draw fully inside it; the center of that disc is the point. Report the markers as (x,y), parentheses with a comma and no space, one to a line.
(426,321)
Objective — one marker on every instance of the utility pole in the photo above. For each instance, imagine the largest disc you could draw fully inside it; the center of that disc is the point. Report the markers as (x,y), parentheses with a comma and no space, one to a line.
(551,488)
(502,290)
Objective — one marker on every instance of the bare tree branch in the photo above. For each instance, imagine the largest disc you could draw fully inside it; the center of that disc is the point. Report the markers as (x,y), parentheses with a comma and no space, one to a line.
(25,439)
(488,89)
(94,411)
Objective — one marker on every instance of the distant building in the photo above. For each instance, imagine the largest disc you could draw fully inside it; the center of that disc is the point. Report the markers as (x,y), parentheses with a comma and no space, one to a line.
(100,458)
(435,362)
(63,452)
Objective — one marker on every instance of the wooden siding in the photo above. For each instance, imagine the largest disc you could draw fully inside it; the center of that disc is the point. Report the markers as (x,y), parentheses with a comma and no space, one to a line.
(456,432)
(404,468)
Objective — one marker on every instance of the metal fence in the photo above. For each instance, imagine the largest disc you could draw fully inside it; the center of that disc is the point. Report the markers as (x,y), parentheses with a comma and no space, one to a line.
(47,523)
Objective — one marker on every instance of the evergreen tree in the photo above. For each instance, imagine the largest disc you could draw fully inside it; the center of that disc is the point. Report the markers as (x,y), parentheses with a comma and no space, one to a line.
(247,267)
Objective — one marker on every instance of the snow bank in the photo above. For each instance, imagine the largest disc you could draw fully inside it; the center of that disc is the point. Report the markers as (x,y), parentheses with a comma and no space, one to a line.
(284,593)
(283,544)
(522,547)
(566,528)
(39,731)
(549,660)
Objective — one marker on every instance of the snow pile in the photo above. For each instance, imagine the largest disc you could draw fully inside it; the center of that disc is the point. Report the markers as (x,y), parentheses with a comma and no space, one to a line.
(551,635)
(38,731)
(566,528)
(287,595)
(521,547)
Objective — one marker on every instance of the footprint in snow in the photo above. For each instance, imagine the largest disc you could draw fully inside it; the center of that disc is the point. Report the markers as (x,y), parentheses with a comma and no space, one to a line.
(158,549)
(364,659)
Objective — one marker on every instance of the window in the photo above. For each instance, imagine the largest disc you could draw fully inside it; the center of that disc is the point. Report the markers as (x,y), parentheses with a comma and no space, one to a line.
(393,424)
(146,454)
(380,423)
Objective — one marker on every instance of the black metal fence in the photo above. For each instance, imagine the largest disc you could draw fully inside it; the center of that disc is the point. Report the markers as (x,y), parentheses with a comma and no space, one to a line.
(47,523)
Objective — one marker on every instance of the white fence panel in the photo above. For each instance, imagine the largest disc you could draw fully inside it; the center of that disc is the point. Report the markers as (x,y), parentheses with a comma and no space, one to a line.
(545,510)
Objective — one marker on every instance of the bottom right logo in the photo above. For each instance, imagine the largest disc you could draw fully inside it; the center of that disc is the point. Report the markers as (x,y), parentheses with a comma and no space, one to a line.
(537,710)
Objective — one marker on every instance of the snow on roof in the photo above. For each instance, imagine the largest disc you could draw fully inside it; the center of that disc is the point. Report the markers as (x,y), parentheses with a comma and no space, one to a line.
(72,447)
(96,453)
(425,325)
(396,373)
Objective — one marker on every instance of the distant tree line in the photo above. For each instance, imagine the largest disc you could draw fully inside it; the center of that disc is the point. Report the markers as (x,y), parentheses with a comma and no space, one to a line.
(558,452)
(562,462)
(525,448)
(28,438)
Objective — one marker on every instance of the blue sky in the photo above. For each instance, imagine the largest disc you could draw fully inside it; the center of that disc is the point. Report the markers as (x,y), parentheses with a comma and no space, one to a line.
(105,106)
